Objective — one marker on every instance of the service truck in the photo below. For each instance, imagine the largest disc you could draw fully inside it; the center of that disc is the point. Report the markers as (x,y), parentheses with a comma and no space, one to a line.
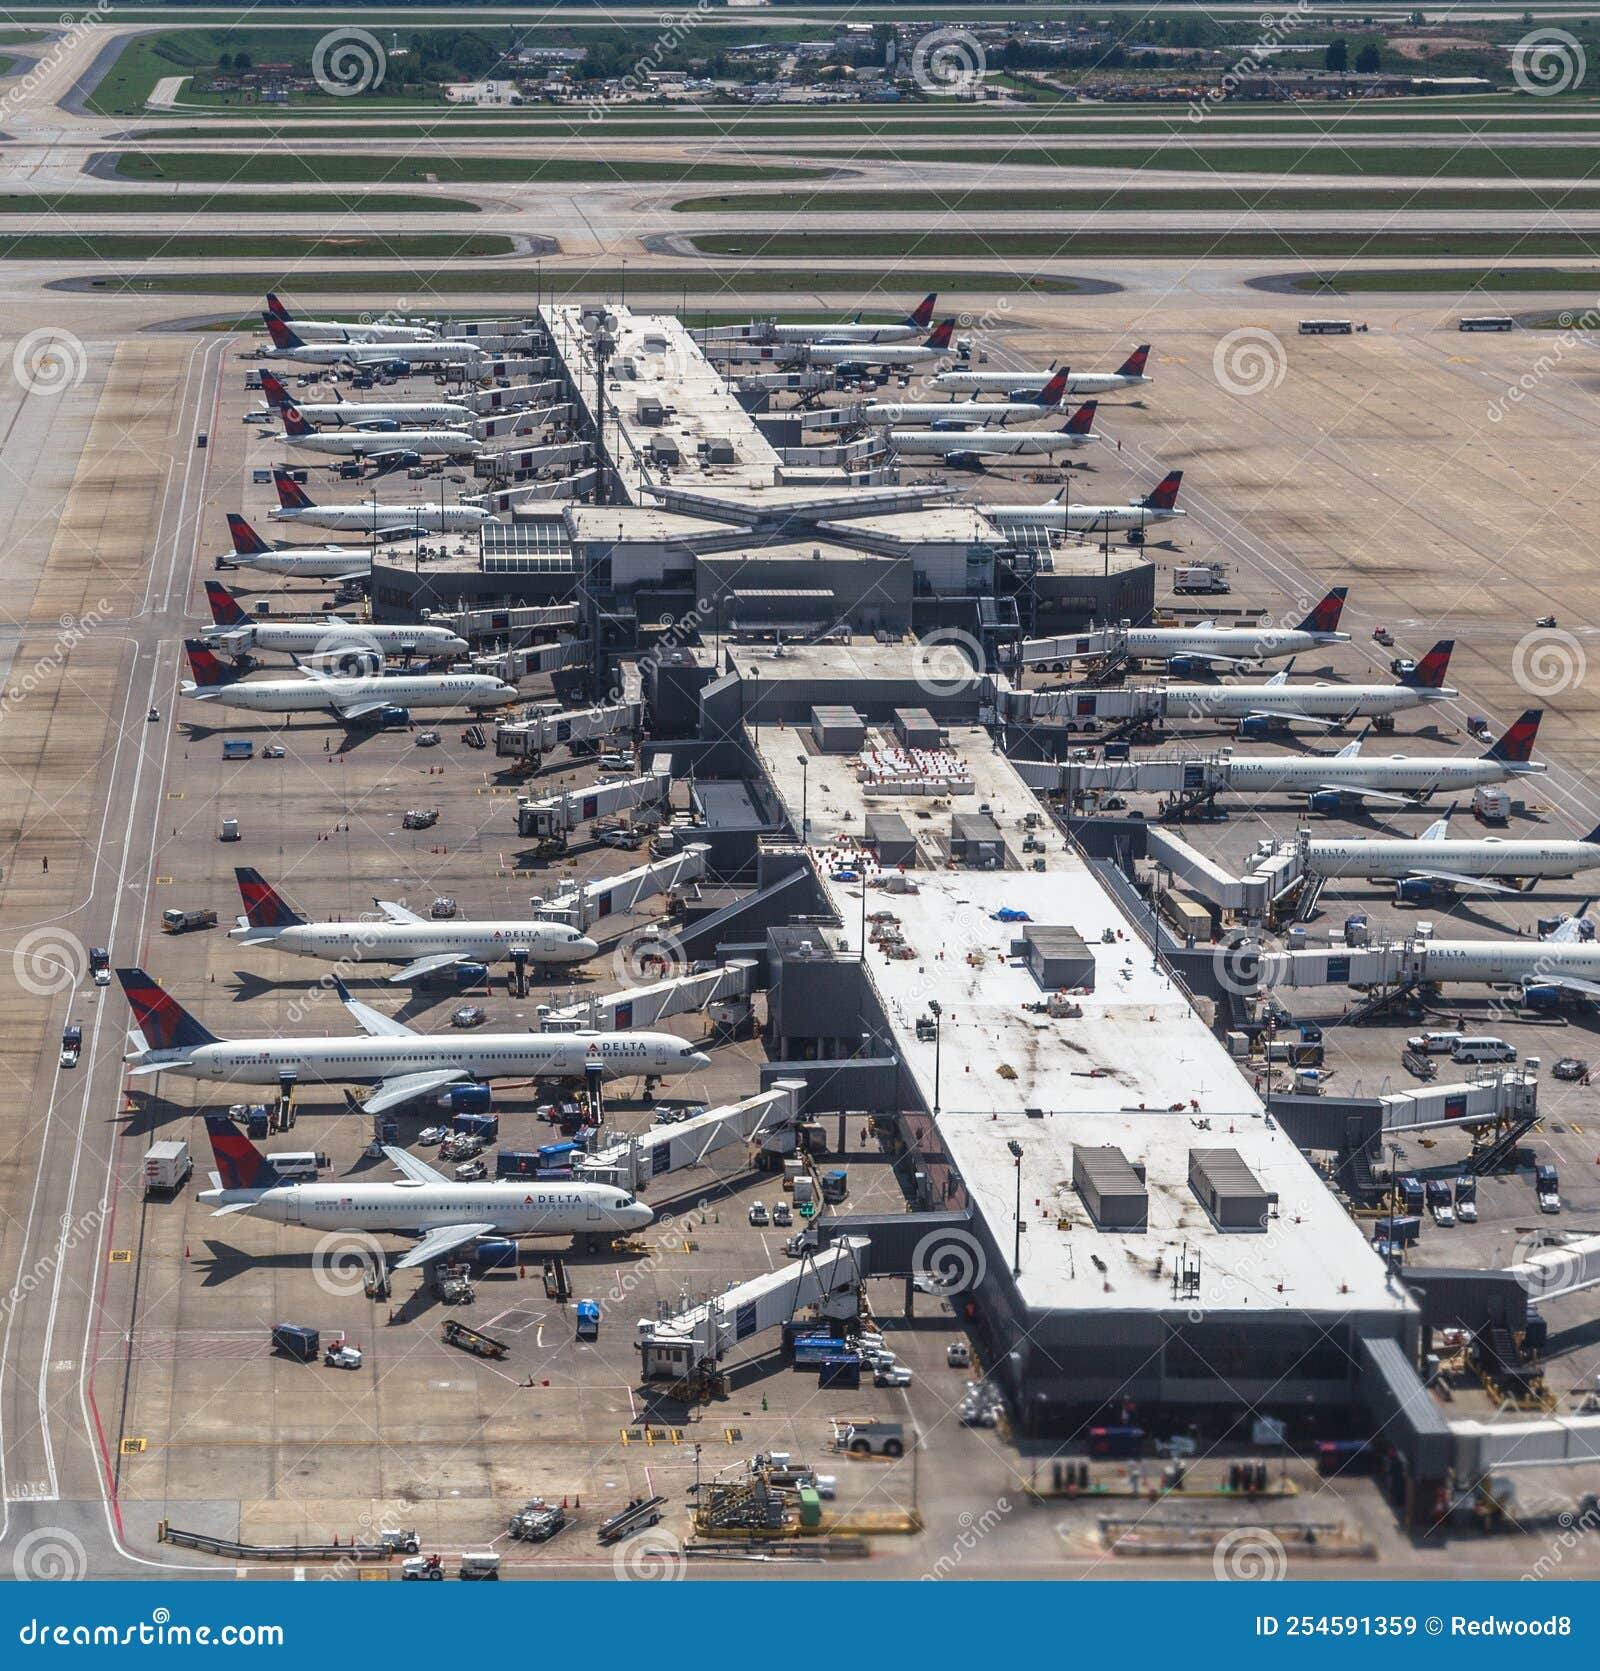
(168,1166)
(175,921)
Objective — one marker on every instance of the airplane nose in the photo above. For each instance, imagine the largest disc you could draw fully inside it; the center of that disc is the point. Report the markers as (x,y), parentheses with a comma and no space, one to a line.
(584,946)
(638,1216)
(698,1061)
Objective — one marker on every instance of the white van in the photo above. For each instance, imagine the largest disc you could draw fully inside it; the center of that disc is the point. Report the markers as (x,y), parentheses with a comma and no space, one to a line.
(1434,1044)
(302,1166)
(1482,1050)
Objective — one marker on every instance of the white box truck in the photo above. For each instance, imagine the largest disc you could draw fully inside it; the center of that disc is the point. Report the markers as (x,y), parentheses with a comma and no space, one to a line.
(167,1167)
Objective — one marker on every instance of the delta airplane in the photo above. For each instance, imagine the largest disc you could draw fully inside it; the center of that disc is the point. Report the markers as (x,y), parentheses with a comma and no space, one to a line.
(913,325)
(970,447)
(379,445)
(363,414)
(1435,858)
(288,344)
(1129,375)
(370,517)
(335,330)
(1277,703)
(1046,401)
(1195,649)
(297,562)
(332,635)
(399,1063)
(843,354)
(442,1213)
(367,697)
(425,947)
(1060,516)
(1332,781)
(1565,961)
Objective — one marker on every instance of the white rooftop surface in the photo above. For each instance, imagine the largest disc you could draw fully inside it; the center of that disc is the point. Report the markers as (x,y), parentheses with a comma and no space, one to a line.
(1109,1077)
(864,659)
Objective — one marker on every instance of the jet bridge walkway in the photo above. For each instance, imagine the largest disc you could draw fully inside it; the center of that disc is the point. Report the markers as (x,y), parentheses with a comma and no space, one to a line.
(644,1006)
(770,1118)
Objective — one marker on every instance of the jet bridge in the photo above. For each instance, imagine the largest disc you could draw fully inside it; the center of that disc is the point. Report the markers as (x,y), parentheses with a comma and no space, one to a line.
(529,461)
(557,816)
(1252,894)
(1484,1448)
(680,1347)
(584,906)
(633,1162)
(1495,1099)
(1046,652)
(526,420)
(644,1006)
(1561,1268)
(531,739)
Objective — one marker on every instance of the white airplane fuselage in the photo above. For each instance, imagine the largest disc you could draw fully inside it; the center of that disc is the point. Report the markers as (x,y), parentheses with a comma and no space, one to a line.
(1485,857)
(333,330)
(386,942)
(1404,774)
(334,635)
(349,443)
(362,1059)
(1318,701)
(1015,382)
(513,1206)
(830,334)
(407,690)
(391,519)
(1061,518)
(357,414)
(945,443)
(311,562)
(891,412)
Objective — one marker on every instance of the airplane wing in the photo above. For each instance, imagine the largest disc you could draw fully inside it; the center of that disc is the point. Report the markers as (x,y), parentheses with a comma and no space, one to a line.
(1458,881)
(1298,719)
(1367,794)
(418,967)
(417,1170)
(390,1093)
(398,913)
(358,574)
(1439,829)
(1570,982)
(442,1239)
(379,1026)
(348,711)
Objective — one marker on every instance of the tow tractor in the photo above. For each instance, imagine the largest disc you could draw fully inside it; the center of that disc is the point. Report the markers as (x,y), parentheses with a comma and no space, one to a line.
(71,1046)
(422,1567)
(1382,635)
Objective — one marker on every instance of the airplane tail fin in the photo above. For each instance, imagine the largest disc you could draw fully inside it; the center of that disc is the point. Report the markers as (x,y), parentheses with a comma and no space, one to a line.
(1082,421)
(1133,366)
(165,1023)
(1429,673)
(283,335)
(264,906)
(277,396)
(1593,837)
(209,673)
(291,496)
(1517,744)
(294,424)
(1325,617)
(1055,390)
(942,332)
(922,313)
(275,306)
(1164,495)
(240,1164)
(246,541)
(225,610)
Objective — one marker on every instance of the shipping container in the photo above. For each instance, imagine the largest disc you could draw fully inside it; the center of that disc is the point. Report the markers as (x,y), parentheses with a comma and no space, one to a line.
(811,1351)
(842,1371)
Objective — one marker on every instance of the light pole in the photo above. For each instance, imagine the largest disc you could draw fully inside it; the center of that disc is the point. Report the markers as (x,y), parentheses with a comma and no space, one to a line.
(805,800)
(1016,1257)
(937,1011)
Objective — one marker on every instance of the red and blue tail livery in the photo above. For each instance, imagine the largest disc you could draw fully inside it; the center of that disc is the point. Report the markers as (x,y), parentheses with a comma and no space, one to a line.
(1164,495)
(1516,747)
(291,496)
(1082,421)
(294,424)
(922,314)
(209,673)
(275,305)
(1325,617)
(264,906)
(165,1023)
(1429,673)
(225,610)
(1133,366)
(240,1164)
(277,396)
(246,541)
